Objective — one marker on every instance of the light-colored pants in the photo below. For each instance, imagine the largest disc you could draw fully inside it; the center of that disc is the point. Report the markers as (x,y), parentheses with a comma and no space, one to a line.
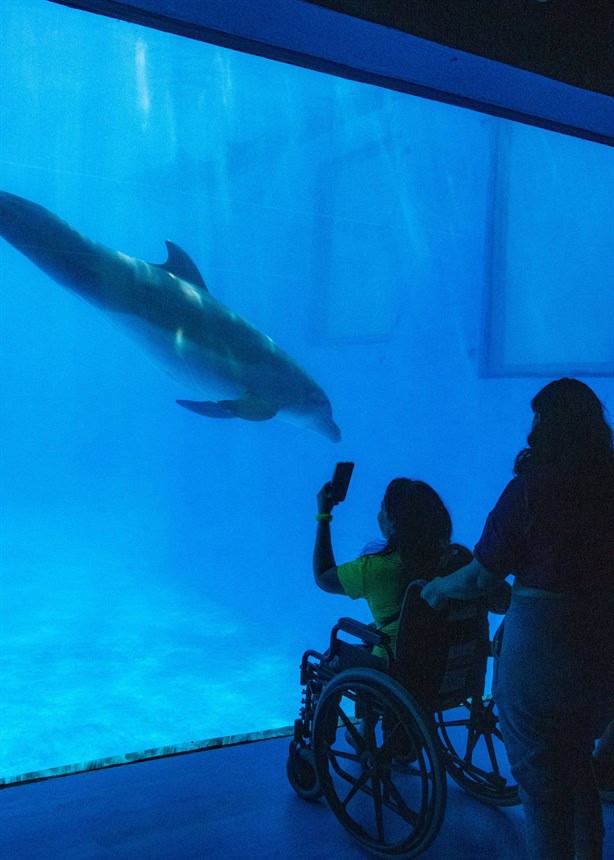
(554,687)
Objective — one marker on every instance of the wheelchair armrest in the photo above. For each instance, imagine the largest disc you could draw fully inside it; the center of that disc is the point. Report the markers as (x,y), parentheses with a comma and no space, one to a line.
(366,632)
(369,634)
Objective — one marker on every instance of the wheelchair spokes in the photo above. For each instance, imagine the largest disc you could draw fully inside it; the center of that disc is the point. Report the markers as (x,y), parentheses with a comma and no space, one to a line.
(384,782)
(482,769)
(366,740)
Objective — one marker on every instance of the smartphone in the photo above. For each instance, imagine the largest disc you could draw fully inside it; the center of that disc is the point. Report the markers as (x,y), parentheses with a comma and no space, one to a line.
(341,481)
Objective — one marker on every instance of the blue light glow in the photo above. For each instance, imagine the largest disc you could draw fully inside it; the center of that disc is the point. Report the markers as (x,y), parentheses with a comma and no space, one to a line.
(156,564)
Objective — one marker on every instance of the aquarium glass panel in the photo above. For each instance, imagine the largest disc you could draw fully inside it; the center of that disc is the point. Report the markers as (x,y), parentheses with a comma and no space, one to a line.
(552,222)
(330,266)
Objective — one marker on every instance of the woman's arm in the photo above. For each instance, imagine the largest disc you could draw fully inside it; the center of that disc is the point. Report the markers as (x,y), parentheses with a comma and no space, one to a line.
(324,565)
(468,582)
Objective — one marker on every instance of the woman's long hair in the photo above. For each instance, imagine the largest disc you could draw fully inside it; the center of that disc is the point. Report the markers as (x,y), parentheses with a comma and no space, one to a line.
(421,527)
(570,431)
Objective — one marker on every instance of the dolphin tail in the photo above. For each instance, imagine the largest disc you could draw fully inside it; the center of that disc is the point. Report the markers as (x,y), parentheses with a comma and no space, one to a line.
(250,407)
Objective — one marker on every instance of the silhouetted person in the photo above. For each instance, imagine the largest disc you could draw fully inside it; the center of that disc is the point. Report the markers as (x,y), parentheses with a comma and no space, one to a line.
(553,527)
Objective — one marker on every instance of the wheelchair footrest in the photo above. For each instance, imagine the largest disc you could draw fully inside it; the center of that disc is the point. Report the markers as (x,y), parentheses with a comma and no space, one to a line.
(494,779)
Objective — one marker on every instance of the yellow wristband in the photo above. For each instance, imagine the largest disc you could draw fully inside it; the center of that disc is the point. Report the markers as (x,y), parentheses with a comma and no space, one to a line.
(324,518)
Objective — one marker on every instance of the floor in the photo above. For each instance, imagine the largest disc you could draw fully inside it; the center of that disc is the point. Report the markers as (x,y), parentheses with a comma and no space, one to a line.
(233,802)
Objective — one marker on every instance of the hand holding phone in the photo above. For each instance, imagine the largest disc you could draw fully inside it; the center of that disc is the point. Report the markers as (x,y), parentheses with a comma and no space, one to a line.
(341,481)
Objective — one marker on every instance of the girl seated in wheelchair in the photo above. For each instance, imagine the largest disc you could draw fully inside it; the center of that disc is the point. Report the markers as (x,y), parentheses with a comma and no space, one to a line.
(416,530)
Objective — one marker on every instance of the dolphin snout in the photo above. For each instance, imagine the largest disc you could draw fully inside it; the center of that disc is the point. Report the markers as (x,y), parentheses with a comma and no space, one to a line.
(330,430)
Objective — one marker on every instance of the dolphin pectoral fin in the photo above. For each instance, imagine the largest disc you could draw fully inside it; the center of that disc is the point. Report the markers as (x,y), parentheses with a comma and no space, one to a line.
(182,265)
(250,408)
(207,408)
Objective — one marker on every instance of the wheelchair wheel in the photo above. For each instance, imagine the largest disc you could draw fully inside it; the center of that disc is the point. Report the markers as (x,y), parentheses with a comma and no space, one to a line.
(385,782)
(301,772)
(475,754)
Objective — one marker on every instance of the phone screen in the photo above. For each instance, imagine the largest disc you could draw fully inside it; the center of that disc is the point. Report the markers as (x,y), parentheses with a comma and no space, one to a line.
(341,481)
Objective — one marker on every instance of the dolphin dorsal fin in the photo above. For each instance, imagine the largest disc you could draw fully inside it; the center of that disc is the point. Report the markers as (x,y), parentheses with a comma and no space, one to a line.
(183,266)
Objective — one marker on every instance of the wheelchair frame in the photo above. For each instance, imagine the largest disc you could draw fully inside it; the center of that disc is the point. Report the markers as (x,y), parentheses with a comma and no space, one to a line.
(383,768)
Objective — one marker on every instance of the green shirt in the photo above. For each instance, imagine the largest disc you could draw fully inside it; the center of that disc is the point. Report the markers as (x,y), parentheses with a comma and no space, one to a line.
(381,581)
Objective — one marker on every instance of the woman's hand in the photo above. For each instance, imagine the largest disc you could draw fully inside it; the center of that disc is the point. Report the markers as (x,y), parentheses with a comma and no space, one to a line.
(434,593)
(325,499)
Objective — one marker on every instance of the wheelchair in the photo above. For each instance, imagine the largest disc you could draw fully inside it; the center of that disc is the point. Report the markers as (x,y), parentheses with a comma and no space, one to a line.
(377,735)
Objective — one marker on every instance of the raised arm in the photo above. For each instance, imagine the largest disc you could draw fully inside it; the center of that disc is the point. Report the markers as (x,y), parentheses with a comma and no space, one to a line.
(324,565)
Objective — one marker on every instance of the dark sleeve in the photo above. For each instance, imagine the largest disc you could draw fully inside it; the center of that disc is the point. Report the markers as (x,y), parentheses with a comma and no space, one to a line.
(501,548)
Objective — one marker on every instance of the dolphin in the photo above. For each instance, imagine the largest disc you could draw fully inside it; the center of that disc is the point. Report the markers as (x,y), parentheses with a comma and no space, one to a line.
(168,309)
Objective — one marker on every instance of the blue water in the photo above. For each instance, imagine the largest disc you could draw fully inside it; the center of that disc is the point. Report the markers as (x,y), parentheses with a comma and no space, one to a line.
(429,266)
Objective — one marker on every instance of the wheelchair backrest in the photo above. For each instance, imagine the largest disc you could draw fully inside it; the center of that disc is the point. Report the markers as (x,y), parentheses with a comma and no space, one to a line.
(441,654)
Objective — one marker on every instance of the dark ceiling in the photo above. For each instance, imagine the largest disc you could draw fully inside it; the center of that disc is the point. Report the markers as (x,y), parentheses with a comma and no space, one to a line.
(567,40)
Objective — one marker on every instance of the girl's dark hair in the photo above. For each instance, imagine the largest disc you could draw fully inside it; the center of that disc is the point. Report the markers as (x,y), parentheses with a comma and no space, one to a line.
(422,527)
(570,431)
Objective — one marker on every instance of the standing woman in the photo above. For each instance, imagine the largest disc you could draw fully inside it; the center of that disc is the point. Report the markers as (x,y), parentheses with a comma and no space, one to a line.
(553,528)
